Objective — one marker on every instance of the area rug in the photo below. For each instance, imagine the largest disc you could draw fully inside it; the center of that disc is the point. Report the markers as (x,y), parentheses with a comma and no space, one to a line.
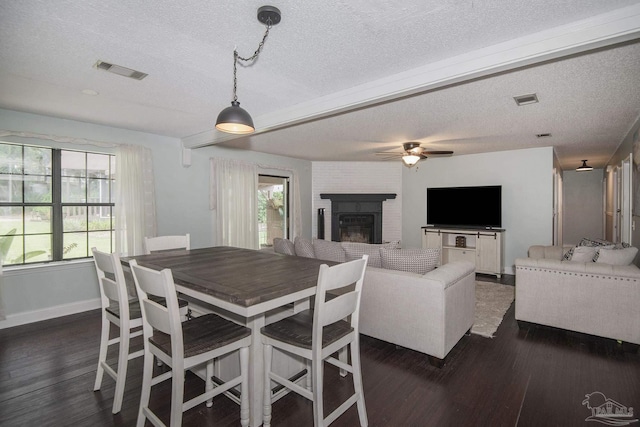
(492,302)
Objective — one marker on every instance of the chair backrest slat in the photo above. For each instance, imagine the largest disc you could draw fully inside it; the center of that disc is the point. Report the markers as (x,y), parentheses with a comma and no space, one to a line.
(163,243)
(157,316)
(111,289)
(339,308)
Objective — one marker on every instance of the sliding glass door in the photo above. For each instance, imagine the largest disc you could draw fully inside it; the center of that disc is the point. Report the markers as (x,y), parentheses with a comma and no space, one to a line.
(273,208)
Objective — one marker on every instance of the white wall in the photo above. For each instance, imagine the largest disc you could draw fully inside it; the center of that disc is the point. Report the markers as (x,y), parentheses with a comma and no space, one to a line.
(526,177)
(182,204)
(583,205)
(359,177)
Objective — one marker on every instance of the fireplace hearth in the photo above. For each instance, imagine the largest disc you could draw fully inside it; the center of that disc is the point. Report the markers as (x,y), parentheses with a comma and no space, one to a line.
(356,217)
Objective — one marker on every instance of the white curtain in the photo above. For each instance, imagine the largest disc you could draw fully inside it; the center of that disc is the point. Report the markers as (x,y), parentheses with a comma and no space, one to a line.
(234,197)
(135,208)
(2,316)
(297,209)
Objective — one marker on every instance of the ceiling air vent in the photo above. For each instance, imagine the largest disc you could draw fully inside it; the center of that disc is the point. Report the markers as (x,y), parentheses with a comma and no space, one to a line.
(521,100)
(122,71)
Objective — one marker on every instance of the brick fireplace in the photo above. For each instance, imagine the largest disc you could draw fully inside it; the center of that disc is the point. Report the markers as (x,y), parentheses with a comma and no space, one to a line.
(357,217)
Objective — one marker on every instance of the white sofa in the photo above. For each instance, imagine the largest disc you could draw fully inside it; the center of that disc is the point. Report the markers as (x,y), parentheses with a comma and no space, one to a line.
(589,297)
(428,312)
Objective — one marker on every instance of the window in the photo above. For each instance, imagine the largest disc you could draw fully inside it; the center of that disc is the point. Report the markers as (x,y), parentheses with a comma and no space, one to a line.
(273,208)
(54,204)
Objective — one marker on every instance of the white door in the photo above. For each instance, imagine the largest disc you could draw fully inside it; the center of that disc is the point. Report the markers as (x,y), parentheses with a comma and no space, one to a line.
(625,200)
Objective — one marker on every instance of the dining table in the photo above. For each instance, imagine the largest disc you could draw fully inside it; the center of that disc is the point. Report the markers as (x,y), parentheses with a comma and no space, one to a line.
(249,283)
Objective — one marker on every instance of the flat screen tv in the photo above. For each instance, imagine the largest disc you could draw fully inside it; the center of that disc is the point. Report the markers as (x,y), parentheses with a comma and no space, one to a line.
(472,207)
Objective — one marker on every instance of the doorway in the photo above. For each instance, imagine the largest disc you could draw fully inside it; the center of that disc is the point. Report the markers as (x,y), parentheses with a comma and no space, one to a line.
(273,209)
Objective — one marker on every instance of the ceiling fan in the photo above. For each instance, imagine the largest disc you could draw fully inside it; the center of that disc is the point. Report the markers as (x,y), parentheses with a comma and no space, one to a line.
(413,153)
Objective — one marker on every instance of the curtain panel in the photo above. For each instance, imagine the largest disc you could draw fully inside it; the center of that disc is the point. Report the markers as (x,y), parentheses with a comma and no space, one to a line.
(2,314)
(135,209)
(234,189)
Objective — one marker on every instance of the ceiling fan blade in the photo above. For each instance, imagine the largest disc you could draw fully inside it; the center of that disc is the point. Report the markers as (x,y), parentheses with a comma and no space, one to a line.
(389,154)
(436,153)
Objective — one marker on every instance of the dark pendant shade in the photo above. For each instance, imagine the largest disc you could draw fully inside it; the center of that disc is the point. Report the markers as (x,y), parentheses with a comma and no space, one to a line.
(235,119)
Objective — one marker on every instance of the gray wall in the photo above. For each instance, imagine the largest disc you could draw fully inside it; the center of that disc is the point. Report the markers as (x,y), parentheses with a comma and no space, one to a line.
(182,203)
(583,205)
(526,177)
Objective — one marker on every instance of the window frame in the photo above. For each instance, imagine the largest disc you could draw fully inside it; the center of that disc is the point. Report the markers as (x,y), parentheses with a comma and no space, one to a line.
(57,206)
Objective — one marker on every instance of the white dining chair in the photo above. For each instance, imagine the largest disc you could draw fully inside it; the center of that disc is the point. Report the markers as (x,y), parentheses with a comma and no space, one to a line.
(316,335)
(163,243)
(119,310)
(183,346)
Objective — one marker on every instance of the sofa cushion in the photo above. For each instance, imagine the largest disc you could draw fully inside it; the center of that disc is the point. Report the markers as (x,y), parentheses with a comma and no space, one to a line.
(304,247)
(583,253)
(355,251)
(329,251)
(419,261)
(283,246)
(616,256)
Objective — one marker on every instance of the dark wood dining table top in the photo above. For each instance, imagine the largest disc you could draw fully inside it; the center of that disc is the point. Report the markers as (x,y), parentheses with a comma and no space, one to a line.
(240,276)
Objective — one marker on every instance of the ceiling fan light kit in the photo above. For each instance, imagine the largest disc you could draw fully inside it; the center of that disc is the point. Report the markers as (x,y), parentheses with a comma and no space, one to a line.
(410,159)
(413,153)
(235,119)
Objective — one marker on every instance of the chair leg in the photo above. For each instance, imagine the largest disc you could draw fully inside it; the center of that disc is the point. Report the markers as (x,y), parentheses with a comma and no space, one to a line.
(266,398)
(147,375)
(177,394)
(121,374)
(317,369)
(308,382)
(102,357)
(244,387)
(357,382)
(209,382)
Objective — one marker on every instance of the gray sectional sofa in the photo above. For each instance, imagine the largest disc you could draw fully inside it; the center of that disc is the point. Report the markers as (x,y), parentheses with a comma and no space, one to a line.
(427,312)
(595,298)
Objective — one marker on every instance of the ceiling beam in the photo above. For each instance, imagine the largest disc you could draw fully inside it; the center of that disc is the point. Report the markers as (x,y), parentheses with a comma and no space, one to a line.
(599,31)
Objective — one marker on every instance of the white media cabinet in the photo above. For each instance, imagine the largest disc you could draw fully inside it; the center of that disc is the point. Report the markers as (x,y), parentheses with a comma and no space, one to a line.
(483,247)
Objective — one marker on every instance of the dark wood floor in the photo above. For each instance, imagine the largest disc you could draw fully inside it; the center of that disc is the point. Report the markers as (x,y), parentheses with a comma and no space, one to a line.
(535,377)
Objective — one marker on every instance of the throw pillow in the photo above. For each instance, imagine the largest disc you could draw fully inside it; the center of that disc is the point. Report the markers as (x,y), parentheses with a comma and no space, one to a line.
(283,246)
(355,251)
(418,261)
(329,251)
(594,242)
(583,253)
(304,247)
(567,256)
(613,256)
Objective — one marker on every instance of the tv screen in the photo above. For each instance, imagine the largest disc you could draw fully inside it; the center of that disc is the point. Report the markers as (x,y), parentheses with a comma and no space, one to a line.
(476,207)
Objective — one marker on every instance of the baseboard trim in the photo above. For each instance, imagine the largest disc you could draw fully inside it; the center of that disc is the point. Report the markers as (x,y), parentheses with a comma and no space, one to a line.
(49,313)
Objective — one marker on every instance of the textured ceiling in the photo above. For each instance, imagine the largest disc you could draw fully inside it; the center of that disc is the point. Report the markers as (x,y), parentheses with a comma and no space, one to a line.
(589,99)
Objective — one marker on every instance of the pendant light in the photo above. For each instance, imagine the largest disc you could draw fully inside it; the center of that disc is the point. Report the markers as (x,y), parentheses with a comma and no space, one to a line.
(584,167)
(235,119)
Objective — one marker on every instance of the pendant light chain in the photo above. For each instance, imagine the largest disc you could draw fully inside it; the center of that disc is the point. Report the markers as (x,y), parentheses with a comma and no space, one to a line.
(237,57)
(235,119)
